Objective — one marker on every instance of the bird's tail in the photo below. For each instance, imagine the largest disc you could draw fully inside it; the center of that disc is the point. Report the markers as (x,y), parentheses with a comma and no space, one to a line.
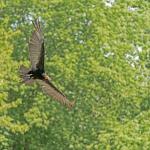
(24,75)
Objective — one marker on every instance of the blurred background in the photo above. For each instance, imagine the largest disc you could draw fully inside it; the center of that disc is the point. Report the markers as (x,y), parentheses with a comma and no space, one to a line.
(97,53)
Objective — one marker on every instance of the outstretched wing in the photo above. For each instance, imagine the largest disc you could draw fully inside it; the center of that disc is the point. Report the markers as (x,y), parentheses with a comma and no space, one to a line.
(36,47)
(51,90)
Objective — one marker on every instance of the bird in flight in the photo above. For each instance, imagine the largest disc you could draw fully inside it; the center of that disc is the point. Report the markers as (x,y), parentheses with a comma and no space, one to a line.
(37,71)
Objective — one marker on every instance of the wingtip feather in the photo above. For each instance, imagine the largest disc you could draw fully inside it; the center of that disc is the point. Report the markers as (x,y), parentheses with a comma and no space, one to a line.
(71,104)
(36,24)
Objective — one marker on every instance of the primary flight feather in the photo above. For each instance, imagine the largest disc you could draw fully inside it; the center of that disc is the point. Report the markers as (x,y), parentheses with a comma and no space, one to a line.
(37,71)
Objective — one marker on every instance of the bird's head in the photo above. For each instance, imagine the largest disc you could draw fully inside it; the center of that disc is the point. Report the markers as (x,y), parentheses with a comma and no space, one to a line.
(46,77)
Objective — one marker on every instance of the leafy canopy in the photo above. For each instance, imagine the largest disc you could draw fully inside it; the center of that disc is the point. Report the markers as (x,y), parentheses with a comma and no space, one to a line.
(97,52)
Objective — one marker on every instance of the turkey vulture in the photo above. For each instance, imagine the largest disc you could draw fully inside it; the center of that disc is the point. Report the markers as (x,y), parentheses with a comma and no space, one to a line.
(37,71)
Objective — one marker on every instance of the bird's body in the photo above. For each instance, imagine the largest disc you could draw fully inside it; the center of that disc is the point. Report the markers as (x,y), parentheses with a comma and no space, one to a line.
(37,74)
(37,71)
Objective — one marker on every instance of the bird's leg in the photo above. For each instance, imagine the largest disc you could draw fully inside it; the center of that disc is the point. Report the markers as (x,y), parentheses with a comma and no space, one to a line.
(29,76)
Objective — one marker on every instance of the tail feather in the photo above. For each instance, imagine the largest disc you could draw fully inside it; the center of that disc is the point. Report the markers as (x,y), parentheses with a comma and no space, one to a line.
(23,70)
(24,75)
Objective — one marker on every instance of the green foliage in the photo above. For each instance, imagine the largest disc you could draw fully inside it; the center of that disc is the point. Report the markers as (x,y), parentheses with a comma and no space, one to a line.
(98,54)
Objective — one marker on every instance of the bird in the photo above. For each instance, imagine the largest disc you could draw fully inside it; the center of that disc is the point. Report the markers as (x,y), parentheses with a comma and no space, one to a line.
(36,73)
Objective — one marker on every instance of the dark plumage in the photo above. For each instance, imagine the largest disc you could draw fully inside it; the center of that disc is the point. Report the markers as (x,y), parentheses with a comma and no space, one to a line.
(37,71)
